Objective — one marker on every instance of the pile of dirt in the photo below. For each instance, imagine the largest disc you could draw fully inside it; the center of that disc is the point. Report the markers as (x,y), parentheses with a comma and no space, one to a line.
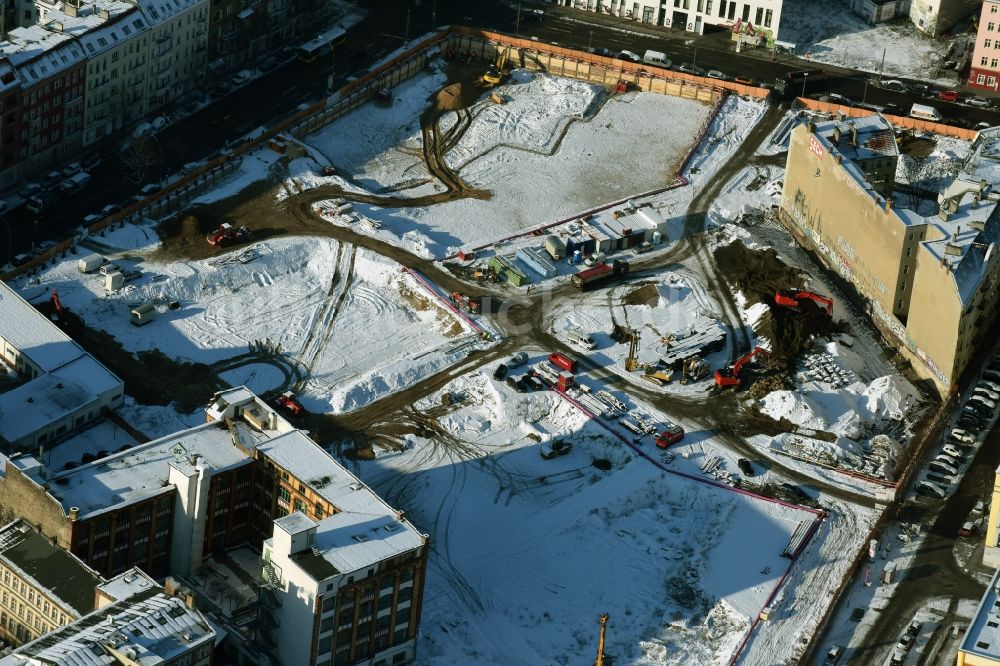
(456,96)
(791,331)
(646,294)
(757,273)
(776,382)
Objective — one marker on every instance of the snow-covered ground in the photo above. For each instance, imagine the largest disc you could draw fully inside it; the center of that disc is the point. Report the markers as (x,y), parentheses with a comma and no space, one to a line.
(830,32)
(527,552)
(354,325)
(556,148)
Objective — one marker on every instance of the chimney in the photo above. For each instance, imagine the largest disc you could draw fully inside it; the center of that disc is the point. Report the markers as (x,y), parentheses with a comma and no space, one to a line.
(272,420)
(836,136)
(170,586)
(982,185)
(193,459)
(74,513)
(854,135)
(840,115)
(104,14)
(943,213)
(189,600)
(888,204)
(838,158)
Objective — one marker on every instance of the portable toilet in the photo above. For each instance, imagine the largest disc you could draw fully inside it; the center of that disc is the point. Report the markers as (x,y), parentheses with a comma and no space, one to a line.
(143,314)
(657,237)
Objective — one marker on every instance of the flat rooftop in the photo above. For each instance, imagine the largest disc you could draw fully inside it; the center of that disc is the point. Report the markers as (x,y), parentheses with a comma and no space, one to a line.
(860,139)
(65,578)
(367,530)
(142,472)
(32,334)
(43,400)
(982,638)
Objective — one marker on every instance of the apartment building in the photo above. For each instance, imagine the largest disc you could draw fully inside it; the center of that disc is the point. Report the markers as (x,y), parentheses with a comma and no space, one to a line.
(166,505)
(981,644)
(936,17)
(117,57)
(178,38)
(984,72)
(10,122)
(145,626)
(42,587)
(927,268)
(690,15)
(64,388)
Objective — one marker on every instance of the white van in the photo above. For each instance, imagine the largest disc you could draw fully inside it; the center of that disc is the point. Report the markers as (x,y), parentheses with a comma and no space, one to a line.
(924,112)
(596,259)
(657,58)
(580,339)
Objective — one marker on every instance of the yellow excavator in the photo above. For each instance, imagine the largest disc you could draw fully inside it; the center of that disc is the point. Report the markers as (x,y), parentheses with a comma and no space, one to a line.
(495,74)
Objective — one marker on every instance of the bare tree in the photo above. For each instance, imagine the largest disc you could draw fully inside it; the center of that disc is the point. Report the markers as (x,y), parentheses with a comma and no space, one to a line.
(139,158)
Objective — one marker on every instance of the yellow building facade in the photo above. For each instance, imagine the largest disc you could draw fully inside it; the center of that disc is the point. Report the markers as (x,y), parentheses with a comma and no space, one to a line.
(926,266)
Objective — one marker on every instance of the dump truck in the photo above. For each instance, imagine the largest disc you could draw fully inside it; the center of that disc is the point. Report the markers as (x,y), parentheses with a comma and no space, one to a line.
(601,274)
(90,263)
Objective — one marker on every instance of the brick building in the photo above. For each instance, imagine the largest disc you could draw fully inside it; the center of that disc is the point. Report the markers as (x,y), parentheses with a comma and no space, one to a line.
(984,72)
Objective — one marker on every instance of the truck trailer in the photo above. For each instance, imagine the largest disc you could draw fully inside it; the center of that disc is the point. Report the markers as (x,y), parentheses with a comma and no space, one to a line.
(602,274)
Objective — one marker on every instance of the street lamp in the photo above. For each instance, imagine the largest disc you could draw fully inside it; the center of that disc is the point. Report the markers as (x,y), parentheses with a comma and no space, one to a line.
(590,38)
(805,77)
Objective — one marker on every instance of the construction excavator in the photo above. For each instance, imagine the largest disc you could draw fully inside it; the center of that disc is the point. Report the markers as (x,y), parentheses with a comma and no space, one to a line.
(791,297)
(693,369)
(725,377)
(497,71)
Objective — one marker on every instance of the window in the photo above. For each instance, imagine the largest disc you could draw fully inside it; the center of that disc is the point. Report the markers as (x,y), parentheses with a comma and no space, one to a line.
(991,26)
(993,63)
(284,494)
(980,78)
(983,61)
(991,80)
(300,506)
(987,43)
(760,15)
(768,15)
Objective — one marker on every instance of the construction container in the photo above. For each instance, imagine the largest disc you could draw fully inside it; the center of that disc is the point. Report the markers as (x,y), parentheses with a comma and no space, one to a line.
(90,263)
(555,247)
(536,260)
(143,314)
(114,281)
(505,270)
(563,361)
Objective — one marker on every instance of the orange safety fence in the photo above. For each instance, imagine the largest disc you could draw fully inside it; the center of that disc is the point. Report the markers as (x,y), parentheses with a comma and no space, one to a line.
(898,121)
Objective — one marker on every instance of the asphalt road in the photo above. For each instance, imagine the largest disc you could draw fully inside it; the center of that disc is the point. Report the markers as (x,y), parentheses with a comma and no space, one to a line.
(277,93)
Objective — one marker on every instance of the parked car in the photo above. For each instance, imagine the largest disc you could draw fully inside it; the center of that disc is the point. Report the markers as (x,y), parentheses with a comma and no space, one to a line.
(35,205)
(919,88)
(534,382)
(978,410)
(142,130)
(833,656)
(987,393)
(29,190)
(993,386)
(597,50)
(51,179)
(515,383)
(970,422)
(75,183)
(893,84)
(221,89)
(953,451)
(500,372)
(963,435)
(978,101)
(596,259)
(90,160)
(241,77)
(20,259)
(628,55)
(837,99)
(931,489)
(914,629)
(689,68)
(71,169)
(92,218)
(992,375)
(940,478)
(3,206)
(642,248)
(982,400)
(948,95)
(942,468)
(267,64)
(969,528)
(44,247)
(159,122)
(716,74)
(520,358)
(978,509)
(948,460)
(111,209)
(905,641)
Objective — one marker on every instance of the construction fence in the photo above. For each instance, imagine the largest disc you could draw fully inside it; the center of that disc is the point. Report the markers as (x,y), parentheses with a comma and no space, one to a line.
(897,121)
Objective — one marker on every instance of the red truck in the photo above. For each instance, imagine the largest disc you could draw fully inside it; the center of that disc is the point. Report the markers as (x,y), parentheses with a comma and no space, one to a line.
(562,361)
(671,434)
(598,275)
(565,381)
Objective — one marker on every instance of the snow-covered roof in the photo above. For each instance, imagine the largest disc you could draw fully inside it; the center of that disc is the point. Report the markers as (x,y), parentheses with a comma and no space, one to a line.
(160,11)
(77,21)
(982,638)
(365,531)
(123,23)
(148,628)
(127,584)
(44,400)
(983,162)
(56,572)
(32,334)
(8,76)
(39,54)
(142,472)
(860,139)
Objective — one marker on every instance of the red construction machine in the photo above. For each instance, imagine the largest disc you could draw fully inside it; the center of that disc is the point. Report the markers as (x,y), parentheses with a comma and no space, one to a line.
(227,235)
(725,377)
(466,303)
(288,402)
(791,297)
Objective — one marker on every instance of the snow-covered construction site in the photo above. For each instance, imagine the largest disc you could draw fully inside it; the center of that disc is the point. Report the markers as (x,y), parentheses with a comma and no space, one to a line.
(553,322)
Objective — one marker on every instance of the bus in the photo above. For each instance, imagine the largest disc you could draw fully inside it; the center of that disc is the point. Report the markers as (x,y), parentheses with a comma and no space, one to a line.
(321,45)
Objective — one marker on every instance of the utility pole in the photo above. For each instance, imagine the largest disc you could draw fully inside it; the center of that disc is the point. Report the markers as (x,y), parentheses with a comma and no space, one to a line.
(694,59)
(881,68)
(517,22)
(406,31)
(805,77)
(590,39)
